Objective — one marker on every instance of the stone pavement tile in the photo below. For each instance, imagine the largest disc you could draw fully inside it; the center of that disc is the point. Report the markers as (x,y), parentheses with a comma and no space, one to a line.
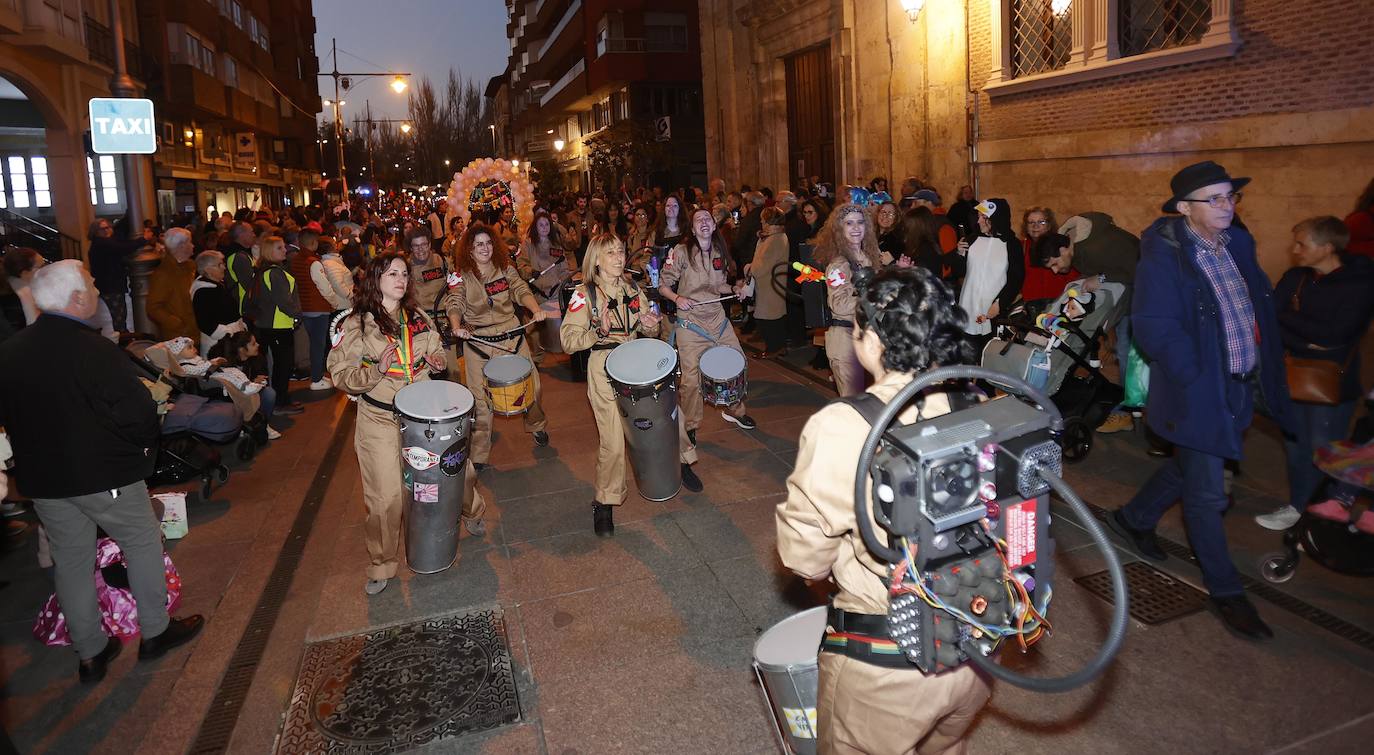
(673,702)
(225,518)
(734,466)
(737,529)
(1350,737)
(516,739)
(481,577)
(570,511)
(781,436)
(106,718)
(26,593)
(206,571)
(766,591)
(687,611)
(579,561)
(553,469)
(1165,677)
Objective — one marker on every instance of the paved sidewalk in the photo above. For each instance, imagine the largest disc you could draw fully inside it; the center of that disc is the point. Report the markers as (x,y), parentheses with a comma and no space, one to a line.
(642,643)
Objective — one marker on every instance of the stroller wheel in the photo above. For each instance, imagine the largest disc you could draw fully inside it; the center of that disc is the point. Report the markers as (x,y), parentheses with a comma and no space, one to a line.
(1076,440)
(223,473)
(247,448)
(207,486)
(1278,567)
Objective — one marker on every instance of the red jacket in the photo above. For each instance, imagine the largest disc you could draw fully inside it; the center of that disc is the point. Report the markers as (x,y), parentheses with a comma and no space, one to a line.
(1361,225)
(311,298)
(1042,282)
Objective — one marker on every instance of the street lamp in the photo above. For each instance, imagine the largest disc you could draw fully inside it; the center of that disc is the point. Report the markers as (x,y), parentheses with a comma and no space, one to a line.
(558,145)
(492,126)
(398,84)
(405,128)
(446,162)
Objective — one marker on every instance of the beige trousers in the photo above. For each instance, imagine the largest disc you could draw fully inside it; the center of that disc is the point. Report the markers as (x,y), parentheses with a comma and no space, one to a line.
(611,456)
(473,363)
(862,708)
(690,347)
(850,377)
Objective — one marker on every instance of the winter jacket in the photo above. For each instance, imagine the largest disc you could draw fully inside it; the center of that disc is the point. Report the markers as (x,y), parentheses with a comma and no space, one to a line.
(1325,317)
(1194,401)
(334,280)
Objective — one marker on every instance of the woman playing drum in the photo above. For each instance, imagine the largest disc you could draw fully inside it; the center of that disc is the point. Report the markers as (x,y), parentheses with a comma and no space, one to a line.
(700,269)
(906,322)
(481,308)
(602,315)
(545,264)
(846,244)
(385,343)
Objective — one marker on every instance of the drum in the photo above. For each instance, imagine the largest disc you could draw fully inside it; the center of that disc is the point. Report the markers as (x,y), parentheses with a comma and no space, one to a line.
(509,382)
(785,663)
(548,329)
(723,378)
(436,419)
(643,374)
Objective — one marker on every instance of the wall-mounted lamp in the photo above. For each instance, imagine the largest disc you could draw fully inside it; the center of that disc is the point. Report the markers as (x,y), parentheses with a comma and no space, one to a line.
(558,145)
(1060,7)
(913,8)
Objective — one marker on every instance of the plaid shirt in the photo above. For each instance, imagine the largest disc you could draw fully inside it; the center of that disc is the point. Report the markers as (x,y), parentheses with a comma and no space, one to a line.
(1237,312)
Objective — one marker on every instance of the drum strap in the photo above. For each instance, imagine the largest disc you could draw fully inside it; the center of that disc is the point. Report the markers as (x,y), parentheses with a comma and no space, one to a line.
(384,406)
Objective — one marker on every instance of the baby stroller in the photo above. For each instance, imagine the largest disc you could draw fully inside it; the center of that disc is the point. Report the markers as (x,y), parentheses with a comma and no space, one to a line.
(1058,353)
(193,426)
(1338,544)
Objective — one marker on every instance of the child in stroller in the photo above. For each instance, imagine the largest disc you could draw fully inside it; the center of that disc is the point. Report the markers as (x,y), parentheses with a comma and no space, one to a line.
(1057,352)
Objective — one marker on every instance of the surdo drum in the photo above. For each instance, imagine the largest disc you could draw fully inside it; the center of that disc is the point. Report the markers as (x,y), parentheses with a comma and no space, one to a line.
(643,374)
(723,377)
(509,382)
(436,419)
(785,662)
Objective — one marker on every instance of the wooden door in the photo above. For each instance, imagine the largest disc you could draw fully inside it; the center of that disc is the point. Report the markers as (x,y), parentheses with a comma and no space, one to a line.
(810,115)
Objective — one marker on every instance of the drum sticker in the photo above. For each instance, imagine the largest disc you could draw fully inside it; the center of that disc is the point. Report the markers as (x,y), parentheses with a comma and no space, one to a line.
(644,424)
(801,722)
(454,280)
(418,458)
(1020,521)
(426,492)
(451,463)
(432,274)
(499,286)
(406,478)
(836,278)
(577,302)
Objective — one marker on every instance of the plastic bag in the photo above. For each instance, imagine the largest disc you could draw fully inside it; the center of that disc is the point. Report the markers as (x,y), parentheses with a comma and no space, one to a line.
(1136,380)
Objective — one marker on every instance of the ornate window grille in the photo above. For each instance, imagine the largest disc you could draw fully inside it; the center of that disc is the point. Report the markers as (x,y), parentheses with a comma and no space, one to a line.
(1040,38)
(1148,25)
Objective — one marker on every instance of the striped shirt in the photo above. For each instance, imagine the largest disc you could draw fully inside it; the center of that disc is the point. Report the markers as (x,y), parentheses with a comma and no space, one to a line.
(1237,311)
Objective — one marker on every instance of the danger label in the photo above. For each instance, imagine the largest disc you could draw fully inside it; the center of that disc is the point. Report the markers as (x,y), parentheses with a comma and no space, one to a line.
(1020,519)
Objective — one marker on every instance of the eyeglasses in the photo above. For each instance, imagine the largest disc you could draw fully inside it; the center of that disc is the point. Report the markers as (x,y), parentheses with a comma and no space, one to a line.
(1219,201)
(1038,222)
(481,243)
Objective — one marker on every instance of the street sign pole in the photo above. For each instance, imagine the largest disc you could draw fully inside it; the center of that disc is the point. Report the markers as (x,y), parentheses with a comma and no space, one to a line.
(122,85)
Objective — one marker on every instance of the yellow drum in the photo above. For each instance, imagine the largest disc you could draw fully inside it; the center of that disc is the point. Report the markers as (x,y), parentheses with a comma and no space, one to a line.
(509,382)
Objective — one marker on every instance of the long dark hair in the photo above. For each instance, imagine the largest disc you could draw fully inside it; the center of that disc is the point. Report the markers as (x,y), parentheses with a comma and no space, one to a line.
(367,296)
(718,246)
(916,318)
(462,256)
(532,234)
(684,217)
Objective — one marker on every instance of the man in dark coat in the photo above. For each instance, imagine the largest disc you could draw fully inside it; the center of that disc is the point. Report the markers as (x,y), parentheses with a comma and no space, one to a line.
(1204,317)
(84,431)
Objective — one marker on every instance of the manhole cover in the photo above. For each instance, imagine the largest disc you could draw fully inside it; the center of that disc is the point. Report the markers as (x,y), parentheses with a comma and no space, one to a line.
(1155,596)
(398,688)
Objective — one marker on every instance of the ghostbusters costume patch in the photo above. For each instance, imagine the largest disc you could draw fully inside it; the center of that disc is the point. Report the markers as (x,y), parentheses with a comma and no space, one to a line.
(577,302)
(432,274)
(498,286)
(454,280)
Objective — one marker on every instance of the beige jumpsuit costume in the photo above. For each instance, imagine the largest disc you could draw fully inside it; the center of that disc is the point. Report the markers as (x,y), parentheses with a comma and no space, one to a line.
(377,436)
(486,307)
(699,280)
(864,708)
(532,262)
(839,339)
(578,332)
(429,283)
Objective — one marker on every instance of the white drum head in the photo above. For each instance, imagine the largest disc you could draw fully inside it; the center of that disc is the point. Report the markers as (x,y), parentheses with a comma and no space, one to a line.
(507,369)
(641,362)
(794,641)
(721,363)
(433,400)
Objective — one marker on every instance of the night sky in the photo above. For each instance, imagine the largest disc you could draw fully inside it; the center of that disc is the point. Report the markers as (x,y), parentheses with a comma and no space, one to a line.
(424,37)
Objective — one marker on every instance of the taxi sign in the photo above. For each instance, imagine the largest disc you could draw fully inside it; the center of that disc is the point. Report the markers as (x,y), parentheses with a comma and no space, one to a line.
(122,126)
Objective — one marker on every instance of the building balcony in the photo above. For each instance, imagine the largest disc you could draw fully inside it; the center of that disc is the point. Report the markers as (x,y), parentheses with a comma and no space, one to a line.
(568,90)
(564,39)
(243,109)
(100,46)
(189,86)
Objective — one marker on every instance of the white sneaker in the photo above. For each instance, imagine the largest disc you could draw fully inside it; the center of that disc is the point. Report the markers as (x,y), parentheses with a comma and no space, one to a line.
(374,586)
(9,508)
(323,384)
(272,433)
(1279,519)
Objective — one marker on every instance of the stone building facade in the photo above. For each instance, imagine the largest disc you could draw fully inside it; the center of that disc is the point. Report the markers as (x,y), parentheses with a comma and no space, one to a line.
(1074,104)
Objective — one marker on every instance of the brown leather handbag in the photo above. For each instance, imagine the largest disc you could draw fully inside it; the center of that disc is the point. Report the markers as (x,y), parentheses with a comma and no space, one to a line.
(1315,381)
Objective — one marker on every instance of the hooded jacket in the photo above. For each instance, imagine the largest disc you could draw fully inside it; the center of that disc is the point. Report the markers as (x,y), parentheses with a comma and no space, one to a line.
(1176,321)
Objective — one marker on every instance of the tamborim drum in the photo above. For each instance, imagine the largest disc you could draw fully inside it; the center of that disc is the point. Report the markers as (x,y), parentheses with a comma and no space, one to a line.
(723,378)
(785,662)
(436,421)
(509,382)
(643,374)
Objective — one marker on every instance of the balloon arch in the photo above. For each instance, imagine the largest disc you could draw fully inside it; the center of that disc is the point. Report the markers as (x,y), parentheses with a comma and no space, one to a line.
(491,184)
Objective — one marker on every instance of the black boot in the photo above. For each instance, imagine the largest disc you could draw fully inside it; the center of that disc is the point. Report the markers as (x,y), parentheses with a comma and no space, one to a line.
(602,523)
(690,479)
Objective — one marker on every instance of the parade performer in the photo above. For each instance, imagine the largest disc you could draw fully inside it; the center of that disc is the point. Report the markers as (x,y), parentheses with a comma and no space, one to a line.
(846,243)
(606,311)
(700,269)
(482,303)
(382,345)
(869,700)
(544,263)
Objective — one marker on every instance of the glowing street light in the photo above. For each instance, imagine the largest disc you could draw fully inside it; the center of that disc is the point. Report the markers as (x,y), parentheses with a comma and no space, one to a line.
(913,8)
(405,128)
(558,145)
(398,85)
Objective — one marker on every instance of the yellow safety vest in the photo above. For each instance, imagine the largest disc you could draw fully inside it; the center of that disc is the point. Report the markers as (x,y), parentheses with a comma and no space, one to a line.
(280,320)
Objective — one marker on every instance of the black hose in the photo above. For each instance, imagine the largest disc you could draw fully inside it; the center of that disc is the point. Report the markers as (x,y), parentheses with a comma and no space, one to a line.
(1116,633)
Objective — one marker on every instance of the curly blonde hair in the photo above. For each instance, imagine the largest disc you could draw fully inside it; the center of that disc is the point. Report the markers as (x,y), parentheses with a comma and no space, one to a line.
(831,243)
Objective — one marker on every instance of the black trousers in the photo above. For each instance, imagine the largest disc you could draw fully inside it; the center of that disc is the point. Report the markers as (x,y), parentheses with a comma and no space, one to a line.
(774,333)
(282,344)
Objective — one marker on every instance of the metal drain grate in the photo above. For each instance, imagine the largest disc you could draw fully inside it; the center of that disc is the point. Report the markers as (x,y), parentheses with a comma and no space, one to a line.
(1156,598)
(219,722)
(398,688)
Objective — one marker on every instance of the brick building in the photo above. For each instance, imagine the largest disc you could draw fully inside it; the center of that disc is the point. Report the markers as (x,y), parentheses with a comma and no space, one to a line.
(236,91)
(1074,104)
(585,70)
